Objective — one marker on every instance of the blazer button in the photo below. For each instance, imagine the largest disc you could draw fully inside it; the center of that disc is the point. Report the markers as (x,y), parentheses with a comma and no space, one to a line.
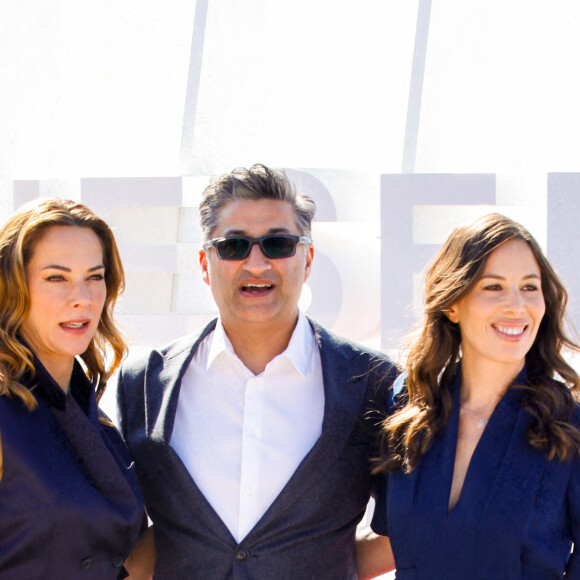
(86,563)
(241,554)
(117,561)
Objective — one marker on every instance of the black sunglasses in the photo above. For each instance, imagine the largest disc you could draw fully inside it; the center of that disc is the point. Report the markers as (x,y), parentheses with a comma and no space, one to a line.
(274,246)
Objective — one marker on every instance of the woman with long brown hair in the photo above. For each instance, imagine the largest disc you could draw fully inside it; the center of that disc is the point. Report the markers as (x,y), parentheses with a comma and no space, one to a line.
(482,454)
(70,503)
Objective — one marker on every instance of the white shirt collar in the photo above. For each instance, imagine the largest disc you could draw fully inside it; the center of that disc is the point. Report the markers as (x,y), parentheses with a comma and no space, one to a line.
(220,344)
(300,346)
(298,351)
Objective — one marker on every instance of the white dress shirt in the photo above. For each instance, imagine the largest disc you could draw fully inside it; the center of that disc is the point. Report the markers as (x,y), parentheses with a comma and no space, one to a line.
(241,436)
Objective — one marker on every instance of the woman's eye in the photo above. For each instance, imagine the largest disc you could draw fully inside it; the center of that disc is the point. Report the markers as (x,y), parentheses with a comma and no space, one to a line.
(97,277)
(530,288)
(492,287)
(55,278)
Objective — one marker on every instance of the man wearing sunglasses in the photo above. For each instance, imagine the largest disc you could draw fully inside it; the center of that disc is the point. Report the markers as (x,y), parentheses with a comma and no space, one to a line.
(253,438)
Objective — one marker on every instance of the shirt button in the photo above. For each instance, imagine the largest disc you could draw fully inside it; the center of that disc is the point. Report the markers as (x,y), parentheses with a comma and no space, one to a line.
(86,563)
(117,561)
(249,490)
(241,554)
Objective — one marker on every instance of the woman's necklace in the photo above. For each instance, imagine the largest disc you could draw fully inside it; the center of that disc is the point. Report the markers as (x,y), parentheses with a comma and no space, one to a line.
(482,421)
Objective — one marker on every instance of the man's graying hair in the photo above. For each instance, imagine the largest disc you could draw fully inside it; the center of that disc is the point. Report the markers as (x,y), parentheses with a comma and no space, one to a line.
(258,182)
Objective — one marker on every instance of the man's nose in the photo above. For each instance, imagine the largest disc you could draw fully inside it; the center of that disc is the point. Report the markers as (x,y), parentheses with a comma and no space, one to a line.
(257,260)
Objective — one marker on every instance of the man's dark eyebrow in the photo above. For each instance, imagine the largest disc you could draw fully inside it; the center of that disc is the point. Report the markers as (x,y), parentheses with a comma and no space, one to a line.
(65,269)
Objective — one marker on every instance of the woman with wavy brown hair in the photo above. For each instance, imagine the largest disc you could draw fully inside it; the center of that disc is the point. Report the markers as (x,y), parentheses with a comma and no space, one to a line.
(70,504)
(482,444)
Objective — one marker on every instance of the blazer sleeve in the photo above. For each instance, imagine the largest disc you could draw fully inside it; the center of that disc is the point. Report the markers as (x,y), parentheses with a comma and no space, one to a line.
(573,568)
(130,397)
(120,393)
(379,521)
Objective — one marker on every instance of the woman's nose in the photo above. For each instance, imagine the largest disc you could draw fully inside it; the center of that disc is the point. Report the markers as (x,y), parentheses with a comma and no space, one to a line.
(81,295)
(514,301)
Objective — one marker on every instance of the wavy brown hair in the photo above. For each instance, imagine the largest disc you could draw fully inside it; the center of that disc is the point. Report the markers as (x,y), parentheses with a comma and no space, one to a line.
(552,387)
(18,238)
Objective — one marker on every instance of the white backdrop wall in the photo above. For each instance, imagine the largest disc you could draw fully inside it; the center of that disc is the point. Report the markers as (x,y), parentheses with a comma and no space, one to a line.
(400,118)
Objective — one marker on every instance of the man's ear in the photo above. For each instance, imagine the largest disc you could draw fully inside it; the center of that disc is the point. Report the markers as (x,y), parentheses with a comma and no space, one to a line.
(309,256)
(203,262)
(452,313)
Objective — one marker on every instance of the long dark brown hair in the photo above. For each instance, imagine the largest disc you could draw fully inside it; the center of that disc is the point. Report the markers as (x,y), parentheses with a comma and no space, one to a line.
(552,388)
(18,238)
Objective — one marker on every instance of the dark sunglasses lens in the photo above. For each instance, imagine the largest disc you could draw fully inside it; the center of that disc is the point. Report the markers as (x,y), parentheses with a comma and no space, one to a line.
(233,248)
(279,246)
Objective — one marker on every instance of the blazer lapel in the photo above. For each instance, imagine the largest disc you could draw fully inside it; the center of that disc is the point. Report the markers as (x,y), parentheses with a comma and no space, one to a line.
(513,492)
(344,398)
(161,396)
(84,435)
(162,387)
(186,495)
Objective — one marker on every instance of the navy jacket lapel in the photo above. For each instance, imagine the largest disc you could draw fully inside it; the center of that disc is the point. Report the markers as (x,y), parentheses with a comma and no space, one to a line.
(513,492)
(161,397)
(160,409)
(187,496)
(343,403)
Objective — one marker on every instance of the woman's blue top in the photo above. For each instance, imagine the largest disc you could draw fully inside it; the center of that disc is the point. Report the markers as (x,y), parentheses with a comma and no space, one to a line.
(70,503)
(516,518)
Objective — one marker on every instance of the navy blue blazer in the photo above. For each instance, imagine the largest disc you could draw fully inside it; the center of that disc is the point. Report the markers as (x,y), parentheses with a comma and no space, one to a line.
(516,518)
(308,531)
(70,503)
